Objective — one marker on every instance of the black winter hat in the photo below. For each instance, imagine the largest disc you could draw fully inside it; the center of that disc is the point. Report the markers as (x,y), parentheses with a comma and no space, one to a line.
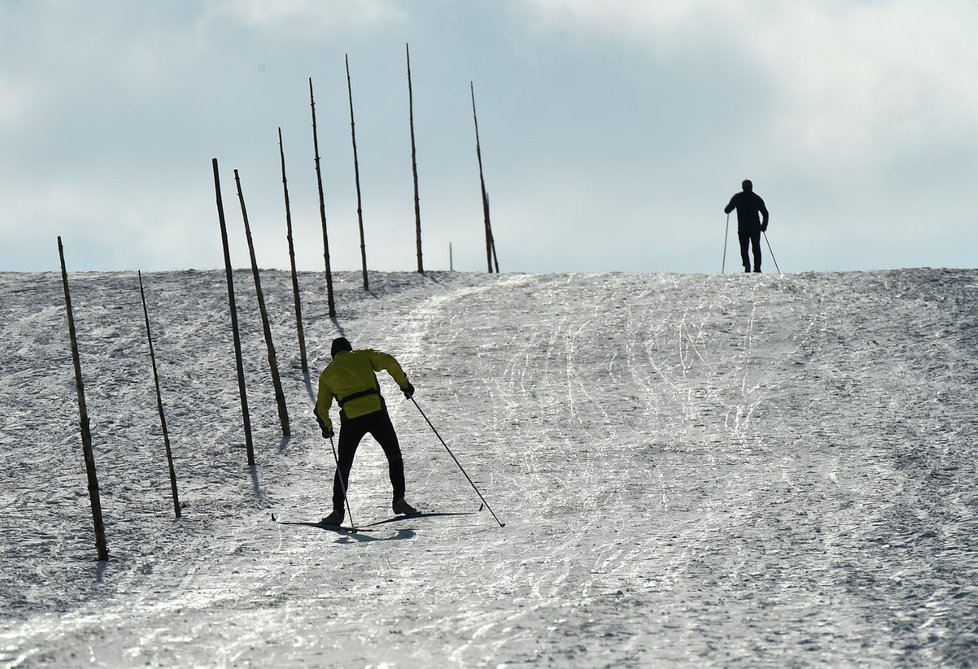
(340,344)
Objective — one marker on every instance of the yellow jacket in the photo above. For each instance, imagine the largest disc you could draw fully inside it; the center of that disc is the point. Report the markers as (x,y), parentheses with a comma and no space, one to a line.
(350,378)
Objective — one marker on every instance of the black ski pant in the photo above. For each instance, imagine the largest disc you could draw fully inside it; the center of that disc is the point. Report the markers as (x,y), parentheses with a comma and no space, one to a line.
(750,237)
(352,431)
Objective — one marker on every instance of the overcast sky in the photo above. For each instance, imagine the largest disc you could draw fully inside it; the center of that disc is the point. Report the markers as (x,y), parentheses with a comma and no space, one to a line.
(613,131)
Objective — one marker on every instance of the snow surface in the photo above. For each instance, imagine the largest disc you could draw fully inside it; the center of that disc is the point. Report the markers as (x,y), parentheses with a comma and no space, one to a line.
(705,471)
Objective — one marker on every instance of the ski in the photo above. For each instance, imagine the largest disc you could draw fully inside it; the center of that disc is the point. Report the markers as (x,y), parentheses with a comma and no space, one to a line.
(411,516)
(371,527)
(342,529)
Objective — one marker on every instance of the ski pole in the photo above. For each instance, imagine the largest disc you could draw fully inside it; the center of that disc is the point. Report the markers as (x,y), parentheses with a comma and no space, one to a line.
(501,524)
(339,474)
(772,253)
(725,235)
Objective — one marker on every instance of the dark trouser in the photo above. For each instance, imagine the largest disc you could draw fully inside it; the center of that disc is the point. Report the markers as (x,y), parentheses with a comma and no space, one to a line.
(750,237)
(352,431)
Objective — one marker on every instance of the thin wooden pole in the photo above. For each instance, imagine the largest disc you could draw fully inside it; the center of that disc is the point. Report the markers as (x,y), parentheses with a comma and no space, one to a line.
(283,413)
(101,547)
(490,244)
(239,363)
(159,403)
(414,159)
(322,206)
(295,276)
(492,239)
(356,174)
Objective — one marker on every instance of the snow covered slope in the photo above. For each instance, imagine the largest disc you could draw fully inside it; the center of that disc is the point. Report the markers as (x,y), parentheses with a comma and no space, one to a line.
(704,471)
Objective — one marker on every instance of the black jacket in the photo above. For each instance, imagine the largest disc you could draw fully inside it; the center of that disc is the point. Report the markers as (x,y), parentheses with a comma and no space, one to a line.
(748,205)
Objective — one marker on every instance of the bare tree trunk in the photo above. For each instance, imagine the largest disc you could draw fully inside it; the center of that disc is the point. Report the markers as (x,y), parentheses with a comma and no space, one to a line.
(159,404)
(295,276)
(86,433)
(356,174)
(239,363)
(283,413)
(414,160)
(322,206)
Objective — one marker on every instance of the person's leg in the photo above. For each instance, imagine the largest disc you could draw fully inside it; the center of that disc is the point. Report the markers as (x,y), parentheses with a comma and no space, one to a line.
(351,432)
(382,430)
(744,238)
(755,240)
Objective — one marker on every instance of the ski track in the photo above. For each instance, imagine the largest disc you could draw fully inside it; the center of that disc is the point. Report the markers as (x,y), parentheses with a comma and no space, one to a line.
(703,471)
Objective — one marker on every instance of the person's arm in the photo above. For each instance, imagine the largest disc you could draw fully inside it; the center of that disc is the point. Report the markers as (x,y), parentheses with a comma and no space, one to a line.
(324,402)
(764,216)
(731,206)
(387,362)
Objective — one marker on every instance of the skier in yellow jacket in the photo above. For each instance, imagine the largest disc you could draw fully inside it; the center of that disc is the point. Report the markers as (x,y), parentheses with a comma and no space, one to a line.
(351,379)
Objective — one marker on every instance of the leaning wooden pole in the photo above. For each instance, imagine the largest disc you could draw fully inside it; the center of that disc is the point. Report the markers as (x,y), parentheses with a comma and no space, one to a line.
(295,276)
(482,182)
(283,412)
(322,206)
(159,403)
(414,160)
(492,239)
(239,363)
(101,548)
(356,175)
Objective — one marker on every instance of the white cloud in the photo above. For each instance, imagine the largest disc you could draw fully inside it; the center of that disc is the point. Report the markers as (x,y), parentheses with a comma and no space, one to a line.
(307,16)
(872,79)
(864,79)
(628,18)
(16,100)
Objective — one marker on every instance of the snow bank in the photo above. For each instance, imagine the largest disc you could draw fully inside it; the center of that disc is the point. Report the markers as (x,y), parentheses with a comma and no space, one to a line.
(693,470)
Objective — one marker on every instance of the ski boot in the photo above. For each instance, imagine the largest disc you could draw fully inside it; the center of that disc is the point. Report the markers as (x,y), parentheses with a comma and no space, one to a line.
(402,508)
(334,519)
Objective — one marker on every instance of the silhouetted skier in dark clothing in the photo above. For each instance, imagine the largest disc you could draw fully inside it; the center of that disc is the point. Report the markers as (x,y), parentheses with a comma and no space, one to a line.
(749,225)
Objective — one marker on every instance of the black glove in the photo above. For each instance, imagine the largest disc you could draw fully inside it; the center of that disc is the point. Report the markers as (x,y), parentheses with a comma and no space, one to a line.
(408,390)
(328,433)
(764,228)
